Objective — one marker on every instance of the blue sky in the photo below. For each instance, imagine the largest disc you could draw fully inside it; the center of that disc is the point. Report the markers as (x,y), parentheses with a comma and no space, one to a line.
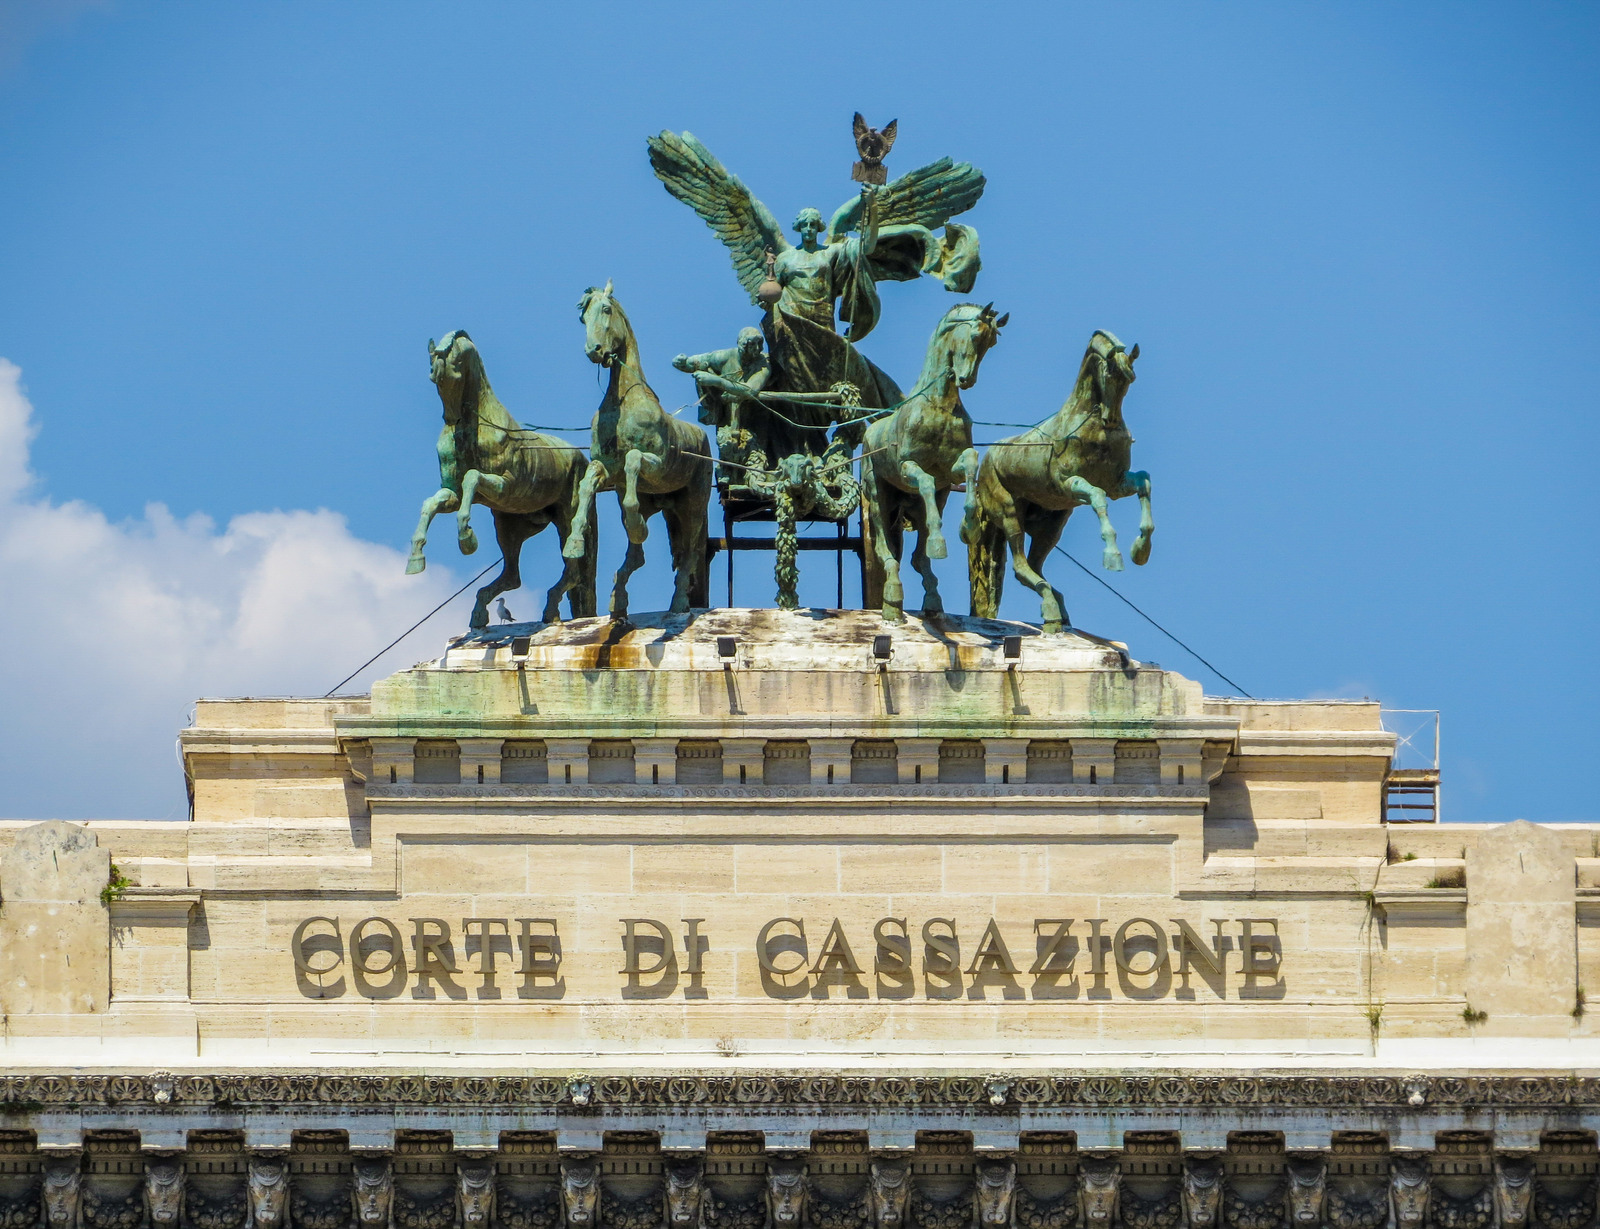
(1357,244)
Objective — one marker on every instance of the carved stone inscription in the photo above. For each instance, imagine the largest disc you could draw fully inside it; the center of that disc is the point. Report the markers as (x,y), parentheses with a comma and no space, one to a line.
(431,958)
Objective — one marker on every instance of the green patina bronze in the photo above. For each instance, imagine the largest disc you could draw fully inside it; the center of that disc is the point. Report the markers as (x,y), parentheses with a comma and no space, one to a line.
(526,479)
(881,234)
(655,462)
(915,456)
(1030,483)
(790,402)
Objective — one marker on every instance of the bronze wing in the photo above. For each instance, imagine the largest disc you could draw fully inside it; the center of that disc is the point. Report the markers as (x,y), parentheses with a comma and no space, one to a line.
(692,174)
(928,196)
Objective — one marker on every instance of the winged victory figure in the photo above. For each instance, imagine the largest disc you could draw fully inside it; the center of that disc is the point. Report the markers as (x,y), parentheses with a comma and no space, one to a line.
(883,234)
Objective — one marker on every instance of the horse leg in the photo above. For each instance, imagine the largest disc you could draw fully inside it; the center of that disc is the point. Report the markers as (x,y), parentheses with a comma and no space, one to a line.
(1110,557)
(510,532)
(1028,565)
(631,563)
(967,466)
(638,531)
(577,544)
(443,500)
(931,602)
(469,492)
(571,572)
(1137,482)
(885,549)
(926,489)
(677,514)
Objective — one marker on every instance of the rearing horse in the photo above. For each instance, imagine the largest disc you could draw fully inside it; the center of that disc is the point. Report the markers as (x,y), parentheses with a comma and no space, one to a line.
(913,459)
(526,479)
(1080,456)
(639,447)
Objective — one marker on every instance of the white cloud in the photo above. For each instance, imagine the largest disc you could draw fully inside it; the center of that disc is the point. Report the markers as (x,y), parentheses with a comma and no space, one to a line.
(111,630)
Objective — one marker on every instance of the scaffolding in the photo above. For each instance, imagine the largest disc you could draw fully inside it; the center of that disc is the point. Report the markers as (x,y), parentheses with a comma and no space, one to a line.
(1411,788)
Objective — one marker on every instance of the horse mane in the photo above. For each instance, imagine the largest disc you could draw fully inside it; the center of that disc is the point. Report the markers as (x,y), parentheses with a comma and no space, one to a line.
(1089,389)
(474,384)
(961,313)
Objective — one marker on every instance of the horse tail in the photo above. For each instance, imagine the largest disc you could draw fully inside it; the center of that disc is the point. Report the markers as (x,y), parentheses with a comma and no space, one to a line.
(986,557)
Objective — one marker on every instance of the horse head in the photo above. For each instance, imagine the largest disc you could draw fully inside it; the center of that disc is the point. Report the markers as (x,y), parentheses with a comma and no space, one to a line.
(1307,1176)
(963,336)
(1202,1191)
(456,369)
(475,1193)
(889,1187)
(996,1183)
(605,327)
(268,1189)
(1108,369)
(685,1190)
(163,1192)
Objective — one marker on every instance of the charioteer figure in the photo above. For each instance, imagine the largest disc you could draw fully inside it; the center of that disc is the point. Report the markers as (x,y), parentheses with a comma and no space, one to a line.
(830,274)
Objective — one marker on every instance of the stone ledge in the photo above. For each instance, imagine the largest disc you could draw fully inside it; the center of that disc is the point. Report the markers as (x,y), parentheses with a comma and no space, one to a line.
(979,1093)
(1423,906)
(384,792)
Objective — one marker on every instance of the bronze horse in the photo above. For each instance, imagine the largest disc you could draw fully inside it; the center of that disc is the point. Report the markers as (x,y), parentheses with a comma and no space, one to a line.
(656,462)
(1030,483)
(526,479)
(914,457)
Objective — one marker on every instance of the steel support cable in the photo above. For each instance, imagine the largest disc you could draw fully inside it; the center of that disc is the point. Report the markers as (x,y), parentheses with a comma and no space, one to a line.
(411,629)
(1113,590)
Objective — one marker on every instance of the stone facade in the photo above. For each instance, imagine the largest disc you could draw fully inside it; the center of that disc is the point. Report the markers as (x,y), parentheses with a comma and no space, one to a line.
(794,907)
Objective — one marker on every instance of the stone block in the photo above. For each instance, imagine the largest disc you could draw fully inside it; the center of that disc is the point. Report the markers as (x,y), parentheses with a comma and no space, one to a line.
(1521,924)
(55,938)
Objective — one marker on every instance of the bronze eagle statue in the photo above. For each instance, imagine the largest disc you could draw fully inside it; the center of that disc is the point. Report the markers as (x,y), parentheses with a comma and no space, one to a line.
(873,146)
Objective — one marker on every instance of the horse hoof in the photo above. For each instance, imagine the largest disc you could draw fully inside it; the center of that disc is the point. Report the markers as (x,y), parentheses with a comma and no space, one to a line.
(1051,627)
(1141,553)
(936,547)
(893,614)
(480,620)
(1111,560)
(573,549)
(415,564)
(469,542)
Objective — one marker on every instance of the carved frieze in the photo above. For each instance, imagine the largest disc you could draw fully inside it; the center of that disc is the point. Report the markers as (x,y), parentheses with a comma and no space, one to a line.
(372,1192)
(1513,1191)
(1099,1188)
(1202,1191)
(889,1189)
(61,1191)
(995,1187)
(1575,1093)
(475,1194)
(268,1191)
(580,1191)
(1410,1185)
(163,1192)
